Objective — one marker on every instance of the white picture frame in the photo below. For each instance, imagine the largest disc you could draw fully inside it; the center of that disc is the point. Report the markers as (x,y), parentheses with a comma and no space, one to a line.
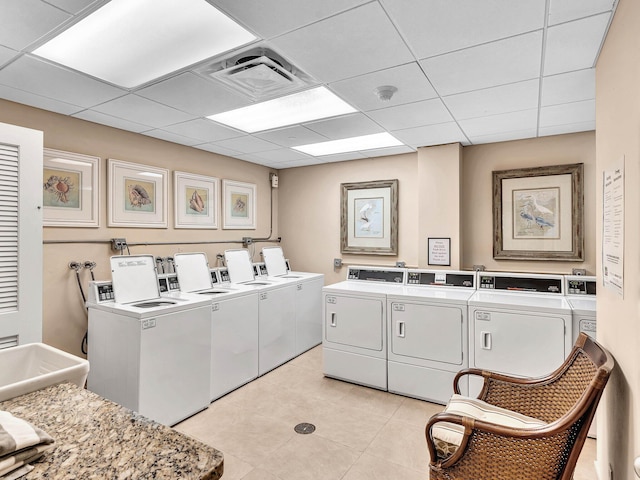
(70,189)
(239,205)
(195,200)
(137,195)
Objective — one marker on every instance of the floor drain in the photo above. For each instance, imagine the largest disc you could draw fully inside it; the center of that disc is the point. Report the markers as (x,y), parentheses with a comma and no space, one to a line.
(305,428)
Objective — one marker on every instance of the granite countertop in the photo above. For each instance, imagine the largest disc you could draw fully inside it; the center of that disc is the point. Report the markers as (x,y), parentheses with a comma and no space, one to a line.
(98,439)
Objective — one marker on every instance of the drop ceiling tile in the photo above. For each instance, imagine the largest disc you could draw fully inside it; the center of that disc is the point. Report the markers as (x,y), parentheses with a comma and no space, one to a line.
(383,152)
(213,148)
(433,27)
(203,130)
(505,61)
(569,87)
(341,157)
(269,19)
(141,110)
(345,126)
(7,54)
(195,95)
(42,78)
(291,136)
(575,112)
(26,98)
(115,122)
(73,6)
(504,136)
(497,124)
(567,128)
(248,144)
(25,21)
(353,43)
(427,112)
(298,163)
(495,100)
(281,155)
(409,79)
(171,137)
(429,135)
(561,11)
(574,45)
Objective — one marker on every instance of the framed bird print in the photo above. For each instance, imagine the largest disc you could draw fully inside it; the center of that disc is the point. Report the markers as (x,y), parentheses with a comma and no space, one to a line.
(196,200)
(538,213)
(239,205)
(137,195)
(369,217)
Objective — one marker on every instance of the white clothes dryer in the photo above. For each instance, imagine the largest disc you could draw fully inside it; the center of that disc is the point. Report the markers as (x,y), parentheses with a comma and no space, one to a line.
(354,327)
(580,291)
(308,306)
(519,324)
(427,333)
(276,307)
(234,323)
(146,351)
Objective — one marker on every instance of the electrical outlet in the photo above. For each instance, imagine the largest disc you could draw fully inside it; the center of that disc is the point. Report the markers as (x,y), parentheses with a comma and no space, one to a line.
(118,244)
(337,262)
(246,241)
(400,264)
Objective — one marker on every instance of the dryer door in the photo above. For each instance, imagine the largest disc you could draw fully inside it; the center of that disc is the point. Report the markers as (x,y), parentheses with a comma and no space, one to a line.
(357,322)
(518,343)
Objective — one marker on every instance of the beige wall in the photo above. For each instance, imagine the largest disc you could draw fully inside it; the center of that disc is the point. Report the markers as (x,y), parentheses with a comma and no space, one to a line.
(64,318)
(309,206)
(442,190)
(477,211)
(618,134)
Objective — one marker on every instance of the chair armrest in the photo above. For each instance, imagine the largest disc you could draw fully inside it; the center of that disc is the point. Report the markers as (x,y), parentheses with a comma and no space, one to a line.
(472,427)
(462,373)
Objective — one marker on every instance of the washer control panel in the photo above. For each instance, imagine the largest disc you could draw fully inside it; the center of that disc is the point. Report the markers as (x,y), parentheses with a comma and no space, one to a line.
(580,285)
(101,292)
(511,282)
(377,274)
(443,278)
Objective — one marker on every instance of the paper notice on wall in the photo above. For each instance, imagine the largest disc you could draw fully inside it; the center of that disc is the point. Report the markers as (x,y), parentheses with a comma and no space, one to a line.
(613,227)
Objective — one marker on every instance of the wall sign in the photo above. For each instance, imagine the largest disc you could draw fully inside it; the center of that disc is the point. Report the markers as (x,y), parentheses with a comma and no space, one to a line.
(439,251)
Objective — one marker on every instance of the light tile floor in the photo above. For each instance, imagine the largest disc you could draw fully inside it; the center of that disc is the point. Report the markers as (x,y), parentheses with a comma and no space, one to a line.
(361,433)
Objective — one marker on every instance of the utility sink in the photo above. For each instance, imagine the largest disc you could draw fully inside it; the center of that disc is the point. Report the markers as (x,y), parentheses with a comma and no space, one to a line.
(33,366)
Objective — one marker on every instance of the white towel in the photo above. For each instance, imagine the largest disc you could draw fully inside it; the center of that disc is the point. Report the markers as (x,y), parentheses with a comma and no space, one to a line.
(20,443)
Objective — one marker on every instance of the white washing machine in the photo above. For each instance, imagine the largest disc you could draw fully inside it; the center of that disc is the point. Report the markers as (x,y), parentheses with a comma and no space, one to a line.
(519,324)
(580,291)
(308,305)
(276,307)
(234,323)
(146,351)
(354,327)
(427,333)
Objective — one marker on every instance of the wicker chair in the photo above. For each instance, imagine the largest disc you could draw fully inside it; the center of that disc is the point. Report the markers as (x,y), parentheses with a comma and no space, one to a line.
(565,401)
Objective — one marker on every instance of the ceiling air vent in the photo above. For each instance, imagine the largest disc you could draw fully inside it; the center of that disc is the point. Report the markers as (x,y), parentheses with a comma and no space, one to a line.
(259,73)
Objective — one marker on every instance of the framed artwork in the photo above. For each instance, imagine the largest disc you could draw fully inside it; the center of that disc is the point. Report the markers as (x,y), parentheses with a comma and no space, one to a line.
(137,195)
(70,189)
(239,205)
(369,217)
(196,200)
(439,251)
(538,213)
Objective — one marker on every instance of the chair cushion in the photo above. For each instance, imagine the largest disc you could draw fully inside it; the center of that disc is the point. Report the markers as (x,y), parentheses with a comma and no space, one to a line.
(448,436)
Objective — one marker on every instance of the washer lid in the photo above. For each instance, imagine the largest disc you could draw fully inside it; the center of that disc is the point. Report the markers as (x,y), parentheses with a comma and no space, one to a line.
(193,271)
(134,278)
(239,265)
(274,261)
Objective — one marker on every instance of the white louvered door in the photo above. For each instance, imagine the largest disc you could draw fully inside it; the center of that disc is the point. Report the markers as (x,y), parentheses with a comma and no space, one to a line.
(20,235)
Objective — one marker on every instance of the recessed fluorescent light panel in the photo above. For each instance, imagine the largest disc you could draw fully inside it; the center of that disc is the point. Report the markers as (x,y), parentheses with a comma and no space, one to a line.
(353,144)
(129,43)
(299,107)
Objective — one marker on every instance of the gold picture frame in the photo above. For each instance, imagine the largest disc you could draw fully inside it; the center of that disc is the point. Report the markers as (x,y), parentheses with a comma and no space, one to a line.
(538,213)
(369,217)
